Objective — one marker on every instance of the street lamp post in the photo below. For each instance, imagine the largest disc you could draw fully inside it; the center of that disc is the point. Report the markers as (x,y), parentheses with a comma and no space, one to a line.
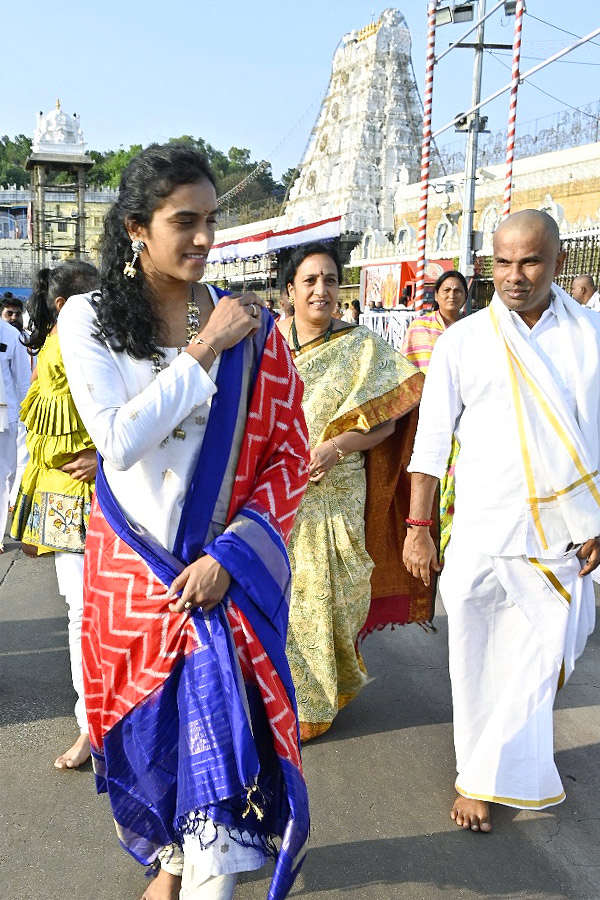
(465,260)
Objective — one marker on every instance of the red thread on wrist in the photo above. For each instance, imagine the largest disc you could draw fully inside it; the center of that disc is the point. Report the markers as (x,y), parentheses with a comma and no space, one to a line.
(424,522)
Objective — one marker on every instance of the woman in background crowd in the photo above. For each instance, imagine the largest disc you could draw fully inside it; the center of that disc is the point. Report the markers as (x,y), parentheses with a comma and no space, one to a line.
(450,294)
(52,508)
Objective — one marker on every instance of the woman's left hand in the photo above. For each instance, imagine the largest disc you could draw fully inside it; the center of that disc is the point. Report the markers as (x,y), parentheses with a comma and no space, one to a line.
(83,466)
(204,583)
(322,459)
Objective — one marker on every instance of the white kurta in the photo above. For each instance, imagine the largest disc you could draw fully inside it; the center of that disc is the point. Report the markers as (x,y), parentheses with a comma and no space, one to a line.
(466,392)
(594,302)
(516,625)
(15,369)
(15,375)
(128,412)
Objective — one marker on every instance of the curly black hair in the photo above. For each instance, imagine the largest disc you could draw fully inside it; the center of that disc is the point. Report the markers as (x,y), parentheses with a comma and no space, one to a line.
(72,277)
(124,313)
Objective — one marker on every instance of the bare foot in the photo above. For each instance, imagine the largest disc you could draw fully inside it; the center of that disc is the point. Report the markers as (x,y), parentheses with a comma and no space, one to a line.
(473,814)
(164,887)
(75,755)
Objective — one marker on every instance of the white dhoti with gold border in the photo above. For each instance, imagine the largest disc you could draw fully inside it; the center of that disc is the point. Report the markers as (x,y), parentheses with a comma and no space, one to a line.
(516,627)
(524,403)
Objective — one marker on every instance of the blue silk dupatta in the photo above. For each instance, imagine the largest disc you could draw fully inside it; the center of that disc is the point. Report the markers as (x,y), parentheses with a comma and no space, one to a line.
(196,723)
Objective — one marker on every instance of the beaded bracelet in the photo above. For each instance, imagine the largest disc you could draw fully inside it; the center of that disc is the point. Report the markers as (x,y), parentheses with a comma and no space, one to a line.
(338,451)
(426,523)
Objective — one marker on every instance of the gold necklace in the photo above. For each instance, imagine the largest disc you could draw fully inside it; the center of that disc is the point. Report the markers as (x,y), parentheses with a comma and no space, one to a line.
(158,363)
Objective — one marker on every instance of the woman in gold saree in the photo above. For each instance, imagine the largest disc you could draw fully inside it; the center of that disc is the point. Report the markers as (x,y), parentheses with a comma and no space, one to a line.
(356,388)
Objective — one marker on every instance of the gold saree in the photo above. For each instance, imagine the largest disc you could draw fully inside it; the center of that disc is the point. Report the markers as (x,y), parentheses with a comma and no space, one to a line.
(354,381)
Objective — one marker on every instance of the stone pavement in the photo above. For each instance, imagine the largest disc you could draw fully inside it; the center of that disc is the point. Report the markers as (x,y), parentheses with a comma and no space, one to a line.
(380,782)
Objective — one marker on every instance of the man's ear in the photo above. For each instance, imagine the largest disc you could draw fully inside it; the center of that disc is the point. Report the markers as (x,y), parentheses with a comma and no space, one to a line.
(560,261)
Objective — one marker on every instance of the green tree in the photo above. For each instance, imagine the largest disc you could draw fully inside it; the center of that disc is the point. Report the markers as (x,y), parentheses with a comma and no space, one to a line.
(239,158)
(13,155)
(289,177)
(259,197)
(97,176)
(116,161)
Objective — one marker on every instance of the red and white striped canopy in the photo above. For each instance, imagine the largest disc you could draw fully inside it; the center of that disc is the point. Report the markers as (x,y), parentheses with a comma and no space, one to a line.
(272,240)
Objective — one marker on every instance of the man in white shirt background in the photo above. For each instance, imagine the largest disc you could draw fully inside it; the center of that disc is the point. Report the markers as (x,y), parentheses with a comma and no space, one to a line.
(519,385)
(583,289)
(11,311)
(15,374)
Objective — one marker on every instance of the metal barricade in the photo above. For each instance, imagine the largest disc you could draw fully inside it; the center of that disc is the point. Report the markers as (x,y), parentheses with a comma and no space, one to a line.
(391,326)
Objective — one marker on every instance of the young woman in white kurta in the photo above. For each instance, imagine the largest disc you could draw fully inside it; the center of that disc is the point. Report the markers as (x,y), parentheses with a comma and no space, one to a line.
(137,378)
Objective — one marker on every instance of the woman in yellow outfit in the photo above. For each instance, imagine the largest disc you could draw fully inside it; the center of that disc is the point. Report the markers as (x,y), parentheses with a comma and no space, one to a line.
(53,504)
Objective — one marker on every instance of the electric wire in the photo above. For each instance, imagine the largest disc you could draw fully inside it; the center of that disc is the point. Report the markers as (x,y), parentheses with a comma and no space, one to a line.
(558,28)
(552,97)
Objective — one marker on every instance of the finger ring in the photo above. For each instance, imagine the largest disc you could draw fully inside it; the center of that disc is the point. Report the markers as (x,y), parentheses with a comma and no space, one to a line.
(188,604)
(254,309)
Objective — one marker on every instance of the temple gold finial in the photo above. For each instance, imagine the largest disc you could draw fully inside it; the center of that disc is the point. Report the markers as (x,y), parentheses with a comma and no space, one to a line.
(368,30)
(58,104)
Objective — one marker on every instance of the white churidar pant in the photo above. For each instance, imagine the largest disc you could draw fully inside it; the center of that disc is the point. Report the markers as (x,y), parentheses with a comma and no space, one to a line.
(69,572)
(211,873)
(515,631)
(209,887)
(22,458)
(8,466)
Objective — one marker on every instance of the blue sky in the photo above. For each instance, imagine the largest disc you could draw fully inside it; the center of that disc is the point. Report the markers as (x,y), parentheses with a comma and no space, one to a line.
(252,74)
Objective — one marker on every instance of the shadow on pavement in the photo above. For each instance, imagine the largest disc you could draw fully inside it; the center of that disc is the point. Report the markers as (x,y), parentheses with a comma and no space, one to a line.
(492,865)
(34,657)
(409,684)
(579,766)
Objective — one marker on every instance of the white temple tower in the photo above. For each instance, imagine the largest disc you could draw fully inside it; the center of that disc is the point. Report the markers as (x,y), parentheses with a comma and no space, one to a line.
(58,146)
(57,132)
(368,134)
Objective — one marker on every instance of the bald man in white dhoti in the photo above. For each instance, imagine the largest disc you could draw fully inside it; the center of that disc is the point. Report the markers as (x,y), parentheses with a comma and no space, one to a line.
(519,385)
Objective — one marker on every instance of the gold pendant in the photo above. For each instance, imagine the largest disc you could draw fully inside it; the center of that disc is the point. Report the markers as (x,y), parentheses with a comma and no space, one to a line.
(179,433)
